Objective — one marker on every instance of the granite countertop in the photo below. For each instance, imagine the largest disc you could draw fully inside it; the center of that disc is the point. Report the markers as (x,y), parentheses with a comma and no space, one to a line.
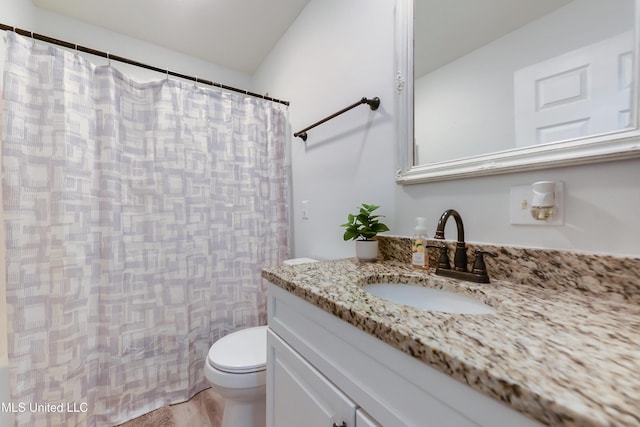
(560,356)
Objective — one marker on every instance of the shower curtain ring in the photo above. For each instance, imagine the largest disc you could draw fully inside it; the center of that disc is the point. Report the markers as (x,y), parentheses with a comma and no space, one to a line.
(108,59)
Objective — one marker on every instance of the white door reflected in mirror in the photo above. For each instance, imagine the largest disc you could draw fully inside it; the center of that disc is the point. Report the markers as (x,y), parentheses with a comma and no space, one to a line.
(583,92)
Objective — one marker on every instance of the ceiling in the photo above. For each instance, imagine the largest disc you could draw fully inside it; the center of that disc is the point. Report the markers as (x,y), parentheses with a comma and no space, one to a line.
(236,34)
(239,34)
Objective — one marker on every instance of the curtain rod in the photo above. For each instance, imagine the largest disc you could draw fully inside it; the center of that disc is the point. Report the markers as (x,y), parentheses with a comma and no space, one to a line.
(373,103)
(109,56)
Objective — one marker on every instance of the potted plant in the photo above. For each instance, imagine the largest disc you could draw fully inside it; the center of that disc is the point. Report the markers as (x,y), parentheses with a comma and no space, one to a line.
(363,228)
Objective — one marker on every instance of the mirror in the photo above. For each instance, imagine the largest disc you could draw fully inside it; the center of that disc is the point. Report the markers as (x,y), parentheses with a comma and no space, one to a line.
(494,86)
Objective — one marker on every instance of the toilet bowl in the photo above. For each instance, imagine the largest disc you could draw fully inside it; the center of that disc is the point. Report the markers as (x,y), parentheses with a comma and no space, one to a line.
(236,369)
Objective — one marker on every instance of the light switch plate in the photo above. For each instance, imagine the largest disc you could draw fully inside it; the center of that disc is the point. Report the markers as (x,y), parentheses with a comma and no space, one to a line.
(305,209)
(520,206)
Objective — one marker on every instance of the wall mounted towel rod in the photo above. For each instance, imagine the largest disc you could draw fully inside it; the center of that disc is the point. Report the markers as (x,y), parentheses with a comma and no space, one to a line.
(374,103)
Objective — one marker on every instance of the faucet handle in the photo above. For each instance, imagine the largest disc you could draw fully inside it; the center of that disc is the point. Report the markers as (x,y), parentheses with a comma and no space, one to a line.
(443,261)
(479,267)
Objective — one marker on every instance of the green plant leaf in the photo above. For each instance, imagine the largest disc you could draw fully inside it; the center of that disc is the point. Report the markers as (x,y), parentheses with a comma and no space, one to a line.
(363,224)
(380,228)
(363,218)
(350,234)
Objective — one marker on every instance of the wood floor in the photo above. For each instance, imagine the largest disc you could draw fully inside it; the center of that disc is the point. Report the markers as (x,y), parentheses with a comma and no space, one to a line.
(203,410)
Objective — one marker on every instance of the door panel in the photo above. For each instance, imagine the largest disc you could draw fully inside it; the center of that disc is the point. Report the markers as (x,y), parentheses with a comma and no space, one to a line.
(299,394)
(583,92)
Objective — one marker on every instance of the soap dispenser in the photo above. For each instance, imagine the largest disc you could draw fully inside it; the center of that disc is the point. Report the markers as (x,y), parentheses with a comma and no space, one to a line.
(419,253)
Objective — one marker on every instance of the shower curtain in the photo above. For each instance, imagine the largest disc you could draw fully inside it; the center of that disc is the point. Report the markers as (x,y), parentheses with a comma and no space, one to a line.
(138,217)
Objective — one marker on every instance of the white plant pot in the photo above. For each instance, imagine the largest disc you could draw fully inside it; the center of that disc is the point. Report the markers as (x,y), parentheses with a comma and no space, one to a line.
(367,250)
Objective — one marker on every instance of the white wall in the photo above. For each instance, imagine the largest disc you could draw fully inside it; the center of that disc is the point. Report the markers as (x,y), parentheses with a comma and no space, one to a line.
(332,55)
(602,207)
(336,53)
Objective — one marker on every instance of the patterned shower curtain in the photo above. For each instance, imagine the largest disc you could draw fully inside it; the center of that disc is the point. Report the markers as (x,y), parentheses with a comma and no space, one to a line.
(138,217)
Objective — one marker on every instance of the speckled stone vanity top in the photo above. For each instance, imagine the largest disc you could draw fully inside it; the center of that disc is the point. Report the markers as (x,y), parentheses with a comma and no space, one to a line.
(563,356)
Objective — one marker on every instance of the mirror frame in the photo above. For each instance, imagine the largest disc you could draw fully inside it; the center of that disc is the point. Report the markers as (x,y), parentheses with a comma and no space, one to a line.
(616,145)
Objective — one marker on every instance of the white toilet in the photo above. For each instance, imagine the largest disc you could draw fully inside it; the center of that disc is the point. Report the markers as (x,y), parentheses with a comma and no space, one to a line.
(236,368)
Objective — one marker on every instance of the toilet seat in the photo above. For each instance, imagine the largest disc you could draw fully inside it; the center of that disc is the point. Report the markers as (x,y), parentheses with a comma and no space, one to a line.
(240,352)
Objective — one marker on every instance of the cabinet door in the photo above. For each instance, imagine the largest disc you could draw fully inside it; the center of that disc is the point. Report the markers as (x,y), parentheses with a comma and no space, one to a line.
(298,395)
(364,420)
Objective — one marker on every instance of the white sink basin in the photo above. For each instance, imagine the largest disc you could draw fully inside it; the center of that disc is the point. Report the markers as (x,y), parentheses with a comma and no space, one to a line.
(428,298)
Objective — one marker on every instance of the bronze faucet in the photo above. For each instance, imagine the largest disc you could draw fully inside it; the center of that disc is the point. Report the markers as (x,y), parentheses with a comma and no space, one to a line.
(479,272)
(460,257)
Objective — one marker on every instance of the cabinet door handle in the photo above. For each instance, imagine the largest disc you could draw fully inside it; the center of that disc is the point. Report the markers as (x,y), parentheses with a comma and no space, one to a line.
(341,425)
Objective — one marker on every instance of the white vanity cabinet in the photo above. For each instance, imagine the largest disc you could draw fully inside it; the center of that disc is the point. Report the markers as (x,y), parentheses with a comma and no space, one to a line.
(364,420)
(323,371)
(299,395)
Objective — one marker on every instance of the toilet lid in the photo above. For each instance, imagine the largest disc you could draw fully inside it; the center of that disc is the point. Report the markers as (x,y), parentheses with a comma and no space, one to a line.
(242,351)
